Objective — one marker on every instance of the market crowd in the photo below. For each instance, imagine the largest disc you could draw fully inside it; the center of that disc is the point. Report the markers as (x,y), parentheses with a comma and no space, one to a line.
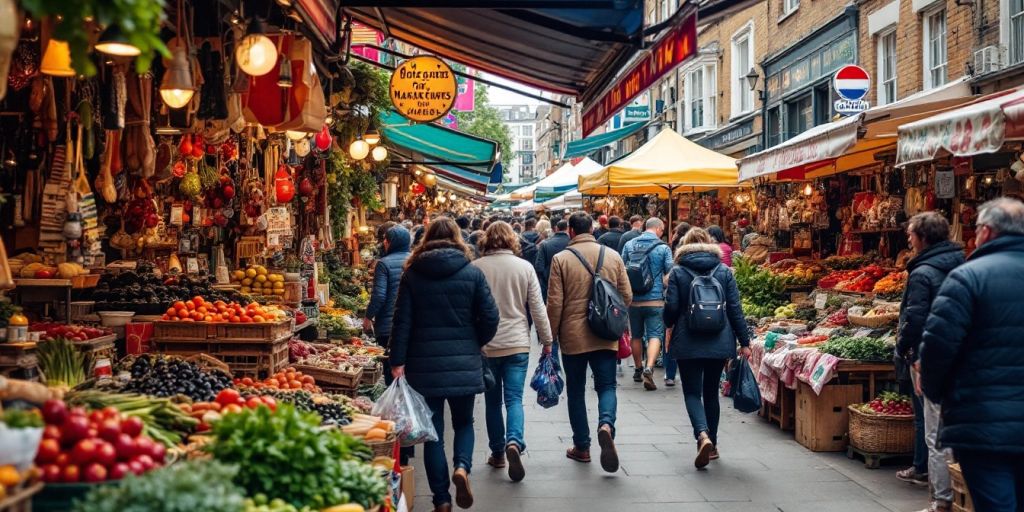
(456,299)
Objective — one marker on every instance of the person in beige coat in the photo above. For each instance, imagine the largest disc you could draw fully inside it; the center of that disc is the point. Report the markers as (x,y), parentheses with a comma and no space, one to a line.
(516,290)
(569,290)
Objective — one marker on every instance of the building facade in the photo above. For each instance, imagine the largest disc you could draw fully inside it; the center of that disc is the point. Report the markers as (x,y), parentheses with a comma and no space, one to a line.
(522,123)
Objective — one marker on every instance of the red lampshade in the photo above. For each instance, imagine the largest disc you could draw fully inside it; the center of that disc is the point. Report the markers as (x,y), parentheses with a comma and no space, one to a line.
(284,187)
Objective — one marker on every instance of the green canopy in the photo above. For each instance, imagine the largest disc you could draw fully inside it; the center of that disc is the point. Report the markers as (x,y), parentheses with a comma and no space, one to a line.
(462,154)
(593,143)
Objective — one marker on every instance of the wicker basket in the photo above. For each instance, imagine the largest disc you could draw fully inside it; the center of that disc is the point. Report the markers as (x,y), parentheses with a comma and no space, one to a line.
(206,361)
(878,433)
(873,321)
(961,495)
(383,448)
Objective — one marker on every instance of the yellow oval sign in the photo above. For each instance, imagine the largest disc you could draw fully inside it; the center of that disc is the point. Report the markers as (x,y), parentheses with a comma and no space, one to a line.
(423,88)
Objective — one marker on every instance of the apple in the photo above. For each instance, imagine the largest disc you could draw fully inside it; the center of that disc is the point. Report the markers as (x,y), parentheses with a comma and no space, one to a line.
(54,412)
(110,430)
(132,426)
(136,467)
(146,461)
(51,432)
(125,447)
(70,474)
(50,473)
(84,452)
(48,451)
(105,453)
(74,428)
(95,473)
(119,471)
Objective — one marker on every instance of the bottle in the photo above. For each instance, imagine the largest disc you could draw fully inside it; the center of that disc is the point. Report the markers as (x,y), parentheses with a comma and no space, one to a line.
(17,327)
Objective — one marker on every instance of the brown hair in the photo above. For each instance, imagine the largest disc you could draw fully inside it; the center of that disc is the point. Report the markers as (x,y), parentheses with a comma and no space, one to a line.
(499,235)
(442,233)
(697,236)
(930,227)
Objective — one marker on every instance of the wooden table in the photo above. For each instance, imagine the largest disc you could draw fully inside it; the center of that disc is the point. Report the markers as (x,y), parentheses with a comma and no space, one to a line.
(44,291)
(19,357)
(873,374)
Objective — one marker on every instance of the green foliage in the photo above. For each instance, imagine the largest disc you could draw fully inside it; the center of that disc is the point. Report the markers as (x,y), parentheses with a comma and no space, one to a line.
(186,487)
(139,21)
(18,418)
(484,121)
(861,349)
(761,291)
(287,455)
(347,180)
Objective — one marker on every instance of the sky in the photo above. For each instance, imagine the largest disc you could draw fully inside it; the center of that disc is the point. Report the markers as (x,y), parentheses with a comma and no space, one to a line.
(500,96)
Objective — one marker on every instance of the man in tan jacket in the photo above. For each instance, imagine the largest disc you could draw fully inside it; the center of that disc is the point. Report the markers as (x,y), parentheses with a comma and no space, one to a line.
(569,290)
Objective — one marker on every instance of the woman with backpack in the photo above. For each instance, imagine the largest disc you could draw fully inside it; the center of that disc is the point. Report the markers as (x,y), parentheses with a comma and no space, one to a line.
(703,306)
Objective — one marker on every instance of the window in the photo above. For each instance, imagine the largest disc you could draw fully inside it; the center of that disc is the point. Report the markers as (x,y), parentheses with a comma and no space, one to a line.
(700,97)
(526,144)
(774,127)
(789,6)
(799,116)
(527,130)
(742,63)
(935,48)
(1015,31)
(887,67)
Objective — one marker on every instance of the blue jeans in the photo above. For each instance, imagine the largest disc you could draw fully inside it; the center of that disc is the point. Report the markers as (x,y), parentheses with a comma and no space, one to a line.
(996,480)
(434,460)
(645,322)
(510,377)
(700,394)
(602,363)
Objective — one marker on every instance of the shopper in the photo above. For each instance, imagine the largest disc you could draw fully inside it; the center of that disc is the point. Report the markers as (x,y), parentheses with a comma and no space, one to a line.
(443,316)
(972,359)
(718,235)
(464,227)
(680,232)
(569,291)
(547,250)
(936,256)
(387,273)
(543,229)
(636,223)
(647,256)
(701,354)
(602,226)
(516,290)
(529,239)
(611,238)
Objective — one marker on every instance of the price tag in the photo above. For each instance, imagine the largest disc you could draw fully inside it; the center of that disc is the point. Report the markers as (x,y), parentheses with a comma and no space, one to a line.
(820,300)
(191,265)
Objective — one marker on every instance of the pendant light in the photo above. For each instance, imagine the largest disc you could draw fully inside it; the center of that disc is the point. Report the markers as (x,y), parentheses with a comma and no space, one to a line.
(256,54)
(358,149)
(808,190)
(284,75)
(113,42)
(177,87)
(372,137)
(379,153)
(57,59)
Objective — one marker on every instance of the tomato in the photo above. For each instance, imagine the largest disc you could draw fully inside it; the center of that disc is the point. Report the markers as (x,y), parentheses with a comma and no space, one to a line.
(190,306)
(253,402)
(270,402)
(230,408)
(227,396)
(246,319)
(246,381)
(202,309)
(171,312)
(179,305)
(306,379)
(198,301)
(234,319)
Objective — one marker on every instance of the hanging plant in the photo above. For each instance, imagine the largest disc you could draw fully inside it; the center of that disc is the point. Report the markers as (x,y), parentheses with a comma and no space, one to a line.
(139,21)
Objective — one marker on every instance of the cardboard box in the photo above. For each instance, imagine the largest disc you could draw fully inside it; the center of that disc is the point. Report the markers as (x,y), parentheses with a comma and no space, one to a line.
(408,486)
(822,421)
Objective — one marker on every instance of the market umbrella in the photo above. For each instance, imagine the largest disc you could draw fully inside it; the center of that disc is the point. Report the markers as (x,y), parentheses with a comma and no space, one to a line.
(572,199)
(567,175)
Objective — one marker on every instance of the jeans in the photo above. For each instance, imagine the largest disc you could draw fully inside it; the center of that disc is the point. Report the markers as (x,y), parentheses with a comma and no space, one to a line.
(434,460)
(920,446)
(602,363)
(938,464)
(995,480)
(510,377)
(645,322)
(700,394)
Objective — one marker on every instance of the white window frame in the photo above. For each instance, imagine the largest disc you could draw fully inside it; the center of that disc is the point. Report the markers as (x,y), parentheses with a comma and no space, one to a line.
(883,98)
(1006,33)
(788,7)
(709,95)
(739,87)
(926,19)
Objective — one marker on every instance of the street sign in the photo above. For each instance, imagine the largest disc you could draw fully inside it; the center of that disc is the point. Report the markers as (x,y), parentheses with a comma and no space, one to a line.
(851,82)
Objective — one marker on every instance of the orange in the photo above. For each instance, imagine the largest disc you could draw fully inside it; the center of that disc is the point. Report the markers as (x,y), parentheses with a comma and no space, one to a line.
(191,306)
(207,318)
(198,301)
(258,319)
(234,319)
(179,305)
(171,312)
(187,319)
(202,309)
(246,319)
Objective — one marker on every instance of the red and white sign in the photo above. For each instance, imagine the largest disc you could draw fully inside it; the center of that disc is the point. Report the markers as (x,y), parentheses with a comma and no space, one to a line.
(852,82)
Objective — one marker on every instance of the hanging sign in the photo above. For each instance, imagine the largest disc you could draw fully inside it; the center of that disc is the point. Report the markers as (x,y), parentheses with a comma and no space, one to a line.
(423,88)
(852,83)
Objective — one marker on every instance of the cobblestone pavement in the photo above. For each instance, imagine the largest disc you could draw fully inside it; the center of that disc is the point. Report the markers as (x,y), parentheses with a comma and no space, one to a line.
(761,469)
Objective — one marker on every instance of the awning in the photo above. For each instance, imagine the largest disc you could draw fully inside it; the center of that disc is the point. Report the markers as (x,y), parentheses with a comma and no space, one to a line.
(667,161)
(455,154)
(446,183)
(566,176)
(570,200)
(980,127)
(524,206)
(830,145)
(574,49)
(590,144)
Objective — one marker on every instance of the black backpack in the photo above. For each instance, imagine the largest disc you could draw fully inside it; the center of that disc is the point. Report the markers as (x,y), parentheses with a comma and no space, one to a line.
(606,311)
(638,269)
(527,250)
(707,303)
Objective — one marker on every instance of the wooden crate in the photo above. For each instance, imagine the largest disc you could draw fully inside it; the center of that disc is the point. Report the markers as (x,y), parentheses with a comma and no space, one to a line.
(822,420)
(20,498)
(253,332)
(259,360)
(371,376)
(97,348)
(181,348)
(961,495)
(184,331)
(783,412)
(331,380)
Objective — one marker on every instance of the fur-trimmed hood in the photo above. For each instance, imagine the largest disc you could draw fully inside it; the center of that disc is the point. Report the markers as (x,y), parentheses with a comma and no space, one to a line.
(699,257)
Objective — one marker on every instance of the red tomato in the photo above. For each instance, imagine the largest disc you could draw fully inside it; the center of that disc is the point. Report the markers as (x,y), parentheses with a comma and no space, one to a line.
(228,396)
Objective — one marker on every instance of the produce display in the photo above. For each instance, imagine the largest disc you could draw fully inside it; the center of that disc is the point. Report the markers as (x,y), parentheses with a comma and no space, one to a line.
(145,292)
(53,330)
(891,286)
(228,401)
(198,309)
(81,446)
(761,291)
(256,279)
(888,403)
(161,419)
(796,272)
(62,365)
(330,356)
(846,262)
(10,475)
(861,349)
(288,378)
(164,376)
(185,487)
(333,410)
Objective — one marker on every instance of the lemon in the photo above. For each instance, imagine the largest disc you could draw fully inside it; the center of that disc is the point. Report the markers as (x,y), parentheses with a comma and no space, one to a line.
(247,282)
(262,278)
(261,270)
(246,289)
(238,275)
(250,272)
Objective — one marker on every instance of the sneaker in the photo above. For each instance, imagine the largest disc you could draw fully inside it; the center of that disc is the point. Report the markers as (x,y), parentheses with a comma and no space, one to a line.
(496,461)
(516,471)
(714,453)
(609,455)
(670,383)
(638,375)
(649,384)
(939,506)
(911,476)
(463,494)
(704,448)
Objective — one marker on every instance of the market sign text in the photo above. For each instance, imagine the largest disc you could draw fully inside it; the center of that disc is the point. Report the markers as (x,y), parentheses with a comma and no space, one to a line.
(677,46)
(971,133)
(423,88)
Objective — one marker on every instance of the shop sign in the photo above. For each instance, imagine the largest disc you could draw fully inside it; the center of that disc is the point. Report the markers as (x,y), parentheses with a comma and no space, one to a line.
(851,82)
(825,142)
(721,139)
(423,88)
(677,46)
(809,69)
(638,110)
(972,132)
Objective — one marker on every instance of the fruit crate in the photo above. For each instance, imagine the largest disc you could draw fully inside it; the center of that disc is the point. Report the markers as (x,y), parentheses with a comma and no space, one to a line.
(259,360)
(19,499)
(961,495)
(100,347)
(184,331)
(266,331)
(332,380)
(371,375)
(181,348)
(822,421)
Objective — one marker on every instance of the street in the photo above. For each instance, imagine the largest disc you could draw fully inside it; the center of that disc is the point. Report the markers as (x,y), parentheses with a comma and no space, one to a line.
(761,469)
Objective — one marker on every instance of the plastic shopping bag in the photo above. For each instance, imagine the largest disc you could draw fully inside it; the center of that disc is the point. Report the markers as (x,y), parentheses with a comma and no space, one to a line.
(746,397)
(401,404)
(547,381)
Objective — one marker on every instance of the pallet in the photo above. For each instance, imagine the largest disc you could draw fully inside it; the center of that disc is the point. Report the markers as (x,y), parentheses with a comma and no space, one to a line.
(961,495)
(874,460)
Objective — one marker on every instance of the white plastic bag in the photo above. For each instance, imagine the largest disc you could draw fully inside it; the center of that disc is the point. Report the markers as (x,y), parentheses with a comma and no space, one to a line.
(401,404)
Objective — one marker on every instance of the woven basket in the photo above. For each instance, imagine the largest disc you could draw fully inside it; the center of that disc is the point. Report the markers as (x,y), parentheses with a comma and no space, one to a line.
(873,321)
(878,433)
(207,361)
(383,448)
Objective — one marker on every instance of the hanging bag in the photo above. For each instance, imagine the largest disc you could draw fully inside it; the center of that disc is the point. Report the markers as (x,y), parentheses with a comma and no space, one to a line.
(306,106)
(401,404)
(606,311)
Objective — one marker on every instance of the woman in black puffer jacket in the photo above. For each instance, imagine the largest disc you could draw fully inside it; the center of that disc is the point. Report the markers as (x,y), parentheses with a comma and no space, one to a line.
(444,315)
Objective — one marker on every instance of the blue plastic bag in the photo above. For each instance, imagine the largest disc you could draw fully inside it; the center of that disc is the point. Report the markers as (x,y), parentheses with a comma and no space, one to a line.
(746,396)
(547,381)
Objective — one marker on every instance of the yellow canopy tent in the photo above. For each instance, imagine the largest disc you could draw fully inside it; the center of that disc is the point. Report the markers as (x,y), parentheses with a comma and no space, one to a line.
(665,164)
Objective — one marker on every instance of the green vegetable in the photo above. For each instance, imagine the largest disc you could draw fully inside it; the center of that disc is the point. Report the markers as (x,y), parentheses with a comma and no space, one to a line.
(761,291)
(287,455)
(61,364)
(18,418)
(192,486)
(861,349)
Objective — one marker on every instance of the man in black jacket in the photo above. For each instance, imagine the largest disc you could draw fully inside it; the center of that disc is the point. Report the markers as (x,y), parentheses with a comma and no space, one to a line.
(928,235)
(547,250)
(637,222)
(611,238)
(972,359)
(529,240)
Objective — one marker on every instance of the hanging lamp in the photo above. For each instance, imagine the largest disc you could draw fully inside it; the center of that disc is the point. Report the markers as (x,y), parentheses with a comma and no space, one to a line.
(57,59)
(177,87)
(358,149)
(256,54)
(372,137)
(379,153)
(113,42)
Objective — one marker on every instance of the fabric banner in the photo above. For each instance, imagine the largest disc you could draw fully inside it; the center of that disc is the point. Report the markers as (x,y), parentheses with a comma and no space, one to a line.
(821,143)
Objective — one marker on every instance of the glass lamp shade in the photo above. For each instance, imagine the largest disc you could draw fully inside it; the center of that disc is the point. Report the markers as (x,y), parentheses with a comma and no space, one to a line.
(176,98)
(256,53)
(177,87)
(113,42)
(380,153)
(57,59)
(358,149)
(372,137)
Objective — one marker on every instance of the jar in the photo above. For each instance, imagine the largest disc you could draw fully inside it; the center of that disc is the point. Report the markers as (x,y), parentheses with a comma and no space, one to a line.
(17,327)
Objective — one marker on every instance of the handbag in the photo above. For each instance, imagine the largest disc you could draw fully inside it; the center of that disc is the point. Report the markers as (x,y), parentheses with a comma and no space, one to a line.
(489,379)
(625,346)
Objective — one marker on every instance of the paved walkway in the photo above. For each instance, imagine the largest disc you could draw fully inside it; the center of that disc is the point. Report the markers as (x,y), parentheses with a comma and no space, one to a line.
(761,469)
